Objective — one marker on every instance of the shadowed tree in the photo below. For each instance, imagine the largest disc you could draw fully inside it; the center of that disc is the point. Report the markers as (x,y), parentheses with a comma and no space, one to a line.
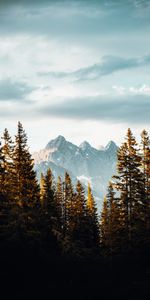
(145,193)
(128,183)
(26,193)
(92,217)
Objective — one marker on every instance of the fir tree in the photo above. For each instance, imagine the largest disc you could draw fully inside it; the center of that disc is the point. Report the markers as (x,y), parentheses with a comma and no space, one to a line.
(80,230)
(145,193)
(27,189)
(48,193)
(110,222)
(4,203)
(2,173)
(8,178)
(94,238)
(68,209)
(41,188)
(26,192)
(59,196)
(104,226)
(49,219)
(129,186)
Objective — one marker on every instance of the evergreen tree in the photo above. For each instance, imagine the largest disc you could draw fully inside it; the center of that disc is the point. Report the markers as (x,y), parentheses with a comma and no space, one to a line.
(2,173)
(80,230)
(129,186)
(94,238)
(42,188)
(104,226)
(48,195)
(49,219)
(68,209)
(3,200)
(27,189)
(8,178)
(26,192)
(145,195)
(7,186)
(110,222)
(59,196)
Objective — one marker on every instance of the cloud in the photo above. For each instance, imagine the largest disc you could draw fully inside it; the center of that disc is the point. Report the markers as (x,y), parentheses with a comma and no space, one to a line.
(67,18)
(108,65)
(13,90)
(124,109)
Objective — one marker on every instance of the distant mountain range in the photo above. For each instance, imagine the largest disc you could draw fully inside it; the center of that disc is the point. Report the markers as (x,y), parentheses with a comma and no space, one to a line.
(82,162)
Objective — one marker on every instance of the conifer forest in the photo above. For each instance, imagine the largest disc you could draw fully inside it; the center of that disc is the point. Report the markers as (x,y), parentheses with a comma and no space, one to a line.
(54,241)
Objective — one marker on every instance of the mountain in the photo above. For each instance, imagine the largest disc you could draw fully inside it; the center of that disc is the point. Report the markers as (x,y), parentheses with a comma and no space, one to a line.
(83,162)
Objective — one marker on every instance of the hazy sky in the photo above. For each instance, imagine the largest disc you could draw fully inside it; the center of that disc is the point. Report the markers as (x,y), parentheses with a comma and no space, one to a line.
(76,68)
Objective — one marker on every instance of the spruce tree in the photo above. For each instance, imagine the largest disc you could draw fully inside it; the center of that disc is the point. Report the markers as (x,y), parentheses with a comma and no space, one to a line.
(49,219)
(104,226)
(68,209)
(110,222)
(27,189)
(48,197)
(41,188)
(26,193)
(2,173)
(4,204)
(8,185)
(128,184)
(145,196)
(59,197)
(80,230)
(92,216)
(8,179)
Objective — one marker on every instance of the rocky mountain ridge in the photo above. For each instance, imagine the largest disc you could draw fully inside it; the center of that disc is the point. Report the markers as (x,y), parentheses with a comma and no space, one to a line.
(83,162)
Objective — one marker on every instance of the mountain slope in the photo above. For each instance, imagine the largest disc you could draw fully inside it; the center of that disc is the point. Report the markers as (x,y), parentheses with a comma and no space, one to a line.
(84,162)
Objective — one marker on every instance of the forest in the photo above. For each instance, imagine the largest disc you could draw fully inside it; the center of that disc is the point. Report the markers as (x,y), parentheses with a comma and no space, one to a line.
(54,227)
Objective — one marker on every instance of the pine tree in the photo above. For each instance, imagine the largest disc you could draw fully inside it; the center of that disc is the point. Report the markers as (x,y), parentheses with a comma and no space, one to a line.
(128,183)
(94,238)
(68,211)
(110,222)
(145,196)
(41,188)
(2,173)
(59,196)
(26,193)
(3,200)
(8,179)
(50,206)
(80,230)
(7,186)
(49,219)
(27,189)
(104,226)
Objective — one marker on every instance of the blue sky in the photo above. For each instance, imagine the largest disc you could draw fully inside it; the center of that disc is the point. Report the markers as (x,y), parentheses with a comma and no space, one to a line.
(76,68)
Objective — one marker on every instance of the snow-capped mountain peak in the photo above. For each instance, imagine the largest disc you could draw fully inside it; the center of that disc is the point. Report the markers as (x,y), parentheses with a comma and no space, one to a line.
(84,162)
(85,145)
(56,143)
(111,146)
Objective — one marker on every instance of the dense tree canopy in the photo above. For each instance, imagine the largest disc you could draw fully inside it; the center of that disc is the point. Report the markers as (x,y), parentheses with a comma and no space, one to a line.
(63,215)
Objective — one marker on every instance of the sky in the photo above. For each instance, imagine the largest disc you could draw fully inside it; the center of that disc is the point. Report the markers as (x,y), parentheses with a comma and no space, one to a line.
(80,69)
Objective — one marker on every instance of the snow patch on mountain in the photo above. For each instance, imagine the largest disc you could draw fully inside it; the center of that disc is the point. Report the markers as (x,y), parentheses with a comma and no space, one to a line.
(84,163)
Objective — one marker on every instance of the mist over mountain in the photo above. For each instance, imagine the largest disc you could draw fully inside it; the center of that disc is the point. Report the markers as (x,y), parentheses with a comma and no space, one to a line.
(83,162)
